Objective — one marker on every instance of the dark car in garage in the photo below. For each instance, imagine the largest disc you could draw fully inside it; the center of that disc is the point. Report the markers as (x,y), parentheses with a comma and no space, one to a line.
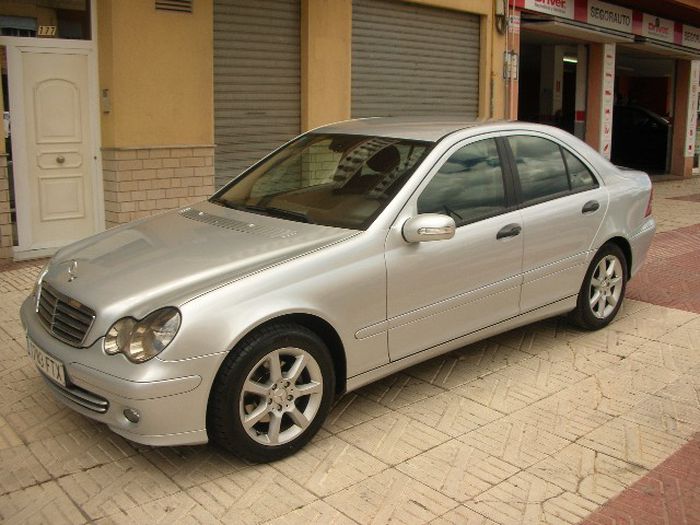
(640,138)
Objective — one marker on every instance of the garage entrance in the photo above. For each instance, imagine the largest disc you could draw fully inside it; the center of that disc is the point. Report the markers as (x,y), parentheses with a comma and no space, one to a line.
(413,60)
(643,111)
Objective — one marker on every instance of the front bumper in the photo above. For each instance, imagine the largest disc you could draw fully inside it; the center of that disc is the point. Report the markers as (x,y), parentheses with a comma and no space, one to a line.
(170,397)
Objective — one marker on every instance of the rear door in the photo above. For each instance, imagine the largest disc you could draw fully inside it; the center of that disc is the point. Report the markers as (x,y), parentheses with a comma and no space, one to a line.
(441,290)
(562,205)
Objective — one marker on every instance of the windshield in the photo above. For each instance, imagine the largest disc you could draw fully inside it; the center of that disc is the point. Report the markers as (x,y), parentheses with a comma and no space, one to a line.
(333,180)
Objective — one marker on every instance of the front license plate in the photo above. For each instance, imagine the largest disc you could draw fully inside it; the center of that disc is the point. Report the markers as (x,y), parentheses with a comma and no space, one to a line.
(47,364)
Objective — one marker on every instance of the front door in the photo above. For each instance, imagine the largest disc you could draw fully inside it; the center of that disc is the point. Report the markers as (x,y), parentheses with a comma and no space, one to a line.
(54,148)
(442,290)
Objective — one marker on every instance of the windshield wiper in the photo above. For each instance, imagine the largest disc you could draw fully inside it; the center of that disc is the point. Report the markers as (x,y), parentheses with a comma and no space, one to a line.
(279,213)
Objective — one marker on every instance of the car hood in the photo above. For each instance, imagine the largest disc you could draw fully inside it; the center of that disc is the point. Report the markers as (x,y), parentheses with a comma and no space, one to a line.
(170,258)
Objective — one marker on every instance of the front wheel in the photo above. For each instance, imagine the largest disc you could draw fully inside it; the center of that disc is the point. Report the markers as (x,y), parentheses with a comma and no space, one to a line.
(272,393)
(603,289)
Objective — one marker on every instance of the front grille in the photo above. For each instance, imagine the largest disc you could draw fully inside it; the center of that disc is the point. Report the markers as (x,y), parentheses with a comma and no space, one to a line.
(65,318)
(80,397)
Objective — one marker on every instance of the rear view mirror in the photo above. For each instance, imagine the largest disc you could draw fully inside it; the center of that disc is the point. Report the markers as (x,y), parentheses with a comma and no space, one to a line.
(429,227)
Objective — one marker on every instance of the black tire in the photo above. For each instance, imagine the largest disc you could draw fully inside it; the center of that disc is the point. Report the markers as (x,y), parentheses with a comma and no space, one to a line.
(230,403)
(596,317)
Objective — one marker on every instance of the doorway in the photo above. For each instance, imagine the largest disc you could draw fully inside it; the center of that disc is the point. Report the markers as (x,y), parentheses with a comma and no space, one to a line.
(50,94)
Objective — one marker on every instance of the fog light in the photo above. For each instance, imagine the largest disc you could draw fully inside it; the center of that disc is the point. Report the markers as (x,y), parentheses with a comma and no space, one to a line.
(132,415)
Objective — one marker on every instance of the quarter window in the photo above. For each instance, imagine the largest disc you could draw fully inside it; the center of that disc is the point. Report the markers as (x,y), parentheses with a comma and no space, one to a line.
(580,176)
(469,186)
(540,166)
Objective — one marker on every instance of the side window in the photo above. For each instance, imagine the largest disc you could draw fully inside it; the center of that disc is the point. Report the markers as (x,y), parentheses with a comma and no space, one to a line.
(540,166)
(469,186)
(579,175)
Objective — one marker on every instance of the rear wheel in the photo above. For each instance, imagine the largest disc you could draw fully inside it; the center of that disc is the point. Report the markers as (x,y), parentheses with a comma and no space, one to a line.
(272,393)
(603,289)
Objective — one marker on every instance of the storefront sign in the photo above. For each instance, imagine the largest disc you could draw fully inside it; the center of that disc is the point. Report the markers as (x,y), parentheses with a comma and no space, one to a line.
(562,8)
(657,28)
(692,108)
(691,37)
(607,99)
(610,16)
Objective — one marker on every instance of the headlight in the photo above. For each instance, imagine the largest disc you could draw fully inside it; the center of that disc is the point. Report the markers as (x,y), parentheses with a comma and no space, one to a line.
(142,340)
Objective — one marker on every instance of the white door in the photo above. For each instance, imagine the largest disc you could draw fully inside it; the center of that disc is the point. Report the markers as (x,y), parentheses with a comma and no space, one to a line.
(54,148)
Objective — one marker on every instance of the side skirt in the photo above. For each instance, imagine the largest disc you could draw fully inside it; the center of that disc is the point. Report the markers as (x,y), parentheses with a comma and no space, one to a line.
(559,307)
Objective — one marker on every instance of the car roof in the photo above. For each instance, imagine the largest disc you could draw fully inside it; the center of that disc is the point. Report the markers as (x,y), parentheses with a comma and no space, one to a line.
(424,128)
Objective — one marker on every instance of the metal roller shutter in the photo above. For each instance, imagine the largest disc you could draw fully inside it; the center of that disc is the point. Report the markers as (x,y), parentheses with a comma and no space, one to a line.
(256,80)
(413,60)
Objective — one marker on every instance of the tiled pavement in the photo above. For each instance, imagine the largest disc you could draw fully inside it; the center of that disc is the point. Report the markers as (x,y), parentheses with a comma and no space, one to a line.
(545,424)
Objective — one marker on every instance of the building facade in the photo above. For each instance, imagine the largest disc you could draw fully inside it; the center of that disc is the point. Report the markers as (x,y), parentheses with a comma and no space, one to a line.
(119,109)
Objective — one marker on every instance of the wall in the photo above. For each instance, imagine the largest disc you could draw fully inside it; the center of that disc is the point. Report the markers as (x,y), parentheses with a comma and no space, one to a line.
(158,124)
(158,67)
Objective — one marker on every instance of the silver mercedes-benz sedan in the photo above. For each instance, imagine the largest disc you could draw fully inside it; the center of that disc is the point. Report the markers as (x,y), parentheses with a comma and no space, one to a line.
(354,251)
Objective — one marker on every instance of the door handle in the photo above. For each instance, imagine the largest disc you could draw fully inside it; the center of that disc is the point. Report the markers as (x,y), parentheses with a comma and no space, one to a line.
(60,159)
(510,230)
(590,207)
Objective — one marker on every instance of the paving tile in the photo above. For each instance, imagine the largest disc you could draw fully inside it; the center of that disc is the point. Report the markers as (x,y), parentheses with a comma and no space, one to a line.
(81,449)
(592,475)
(515,442)
(391,497)
(394,437)
(535,338)
(611,341)
(317,513)
(8,437)
(328,466)
(351,410)
(20,469)
(623,386)
(451,413)
(686,336)
(399,390)
(190,466)
(449,370)
(667,415)
(685,389)
(576,357)
(527,499)
(669,356)
(117,487)
(35,414)
(177,508)
(252,495)
(462,516)
(632,442)
(458,470)
(518,385)
(669,494)
(562,416)
(40,504)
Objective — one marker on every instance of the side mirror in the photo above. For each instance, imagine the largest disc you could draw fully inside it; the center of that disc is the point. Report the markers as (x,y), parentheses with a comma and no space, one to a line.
(429,227)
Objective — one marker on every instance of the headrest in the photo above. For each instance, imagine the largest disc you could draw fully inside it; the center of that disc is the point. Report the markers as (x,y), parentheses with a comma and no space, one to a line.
(385,160)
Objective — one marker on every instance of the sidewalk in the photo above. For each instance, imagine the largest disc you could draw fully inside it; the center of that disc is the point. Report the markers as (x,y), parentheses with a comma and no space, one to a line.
(544,424)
